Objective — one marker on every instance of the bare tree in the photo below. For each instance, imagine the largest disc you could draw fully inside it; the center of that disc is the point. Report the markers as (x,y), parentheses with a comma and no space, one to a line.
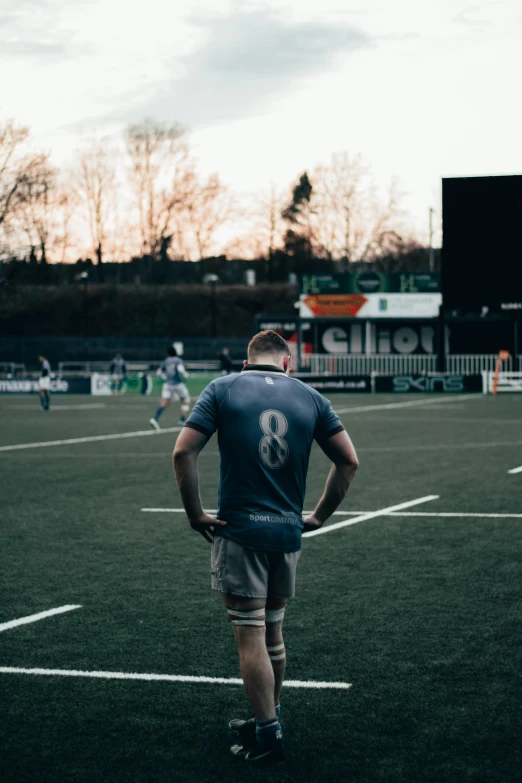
(66,206)
(208,210)
(351,222)
(18,168)
(271,223)
(96,179)
(339,200)
(162,172)
(36,212)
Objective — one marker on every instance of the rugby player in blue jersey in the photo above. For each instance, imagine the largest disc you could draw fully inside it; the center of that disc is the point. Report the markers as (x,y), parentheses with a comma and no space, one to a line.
(44,384)
(118,372)
(173,373)
(266,422)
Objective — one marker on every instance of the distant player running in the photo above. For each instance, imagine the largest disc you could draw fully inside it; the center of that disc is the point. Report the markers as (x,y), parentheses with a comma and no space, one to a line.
(266,423)
(118,373)
(173,373)
(44,384)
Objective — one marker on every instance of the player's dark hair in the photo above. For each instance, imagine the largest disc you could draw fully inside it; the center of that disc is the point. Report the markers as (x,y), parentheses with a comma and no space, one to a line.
(267,341)
(171,351)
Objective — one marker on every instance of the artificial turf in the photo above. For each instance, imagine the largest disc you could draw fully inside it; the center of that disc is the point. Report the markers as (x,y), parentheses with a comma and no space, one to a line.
(420,614)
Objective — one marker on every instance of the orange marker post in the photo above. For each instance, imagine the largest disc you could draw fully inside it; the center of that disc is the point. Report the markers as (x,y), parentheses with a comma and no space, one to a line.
(503,356)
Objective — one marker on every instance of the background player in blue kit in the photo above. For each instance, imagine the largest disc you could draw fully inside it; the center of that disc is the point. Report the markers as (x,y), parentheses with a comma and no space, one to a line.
(118,373)
(266,422)
(173,373)
(44,384)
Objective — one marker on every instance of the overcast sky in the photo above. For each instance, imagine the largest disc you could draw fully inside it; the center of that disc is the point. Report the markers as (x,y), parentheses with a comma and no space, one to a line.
(422,88)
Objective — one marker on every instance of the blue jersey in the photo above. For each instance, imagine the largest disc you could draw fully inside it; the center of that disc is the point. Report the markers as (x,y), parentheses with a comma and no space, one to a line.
(46,368)
(118,366)
(173,371)
(266,422)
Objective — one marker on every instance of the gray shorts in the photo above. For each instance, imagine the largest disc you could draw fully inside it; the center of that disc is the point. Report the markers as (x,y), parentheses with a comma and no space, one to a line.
(252,574)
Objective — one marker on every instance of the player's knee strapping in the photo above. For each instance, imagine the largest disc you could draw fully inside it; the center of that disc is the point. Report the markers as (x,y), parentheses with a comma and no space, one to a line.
(254,618)
(275,615)
(185,407)
(276,652)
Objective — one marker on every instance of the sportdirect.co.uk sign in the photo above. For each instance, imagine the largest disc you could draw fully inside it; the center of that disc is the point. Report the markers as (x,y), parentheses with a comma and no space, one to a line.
(337,383)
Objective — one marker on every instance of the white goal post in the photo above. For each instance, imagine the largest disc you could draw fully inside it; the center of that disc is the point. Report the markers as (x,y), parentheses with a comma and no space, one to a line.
(507,382)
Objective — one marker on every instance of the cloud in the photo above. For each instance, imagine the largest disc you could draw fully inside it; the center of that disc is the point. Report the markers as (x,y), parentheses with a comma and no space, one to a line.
(28,31)
(245,61)
(35,49)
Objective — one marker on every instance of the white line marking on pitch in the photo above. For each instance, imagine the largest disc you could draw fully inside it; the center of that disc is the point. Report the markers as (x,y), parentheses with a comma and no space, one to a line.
(89,439)
(165,677)
(452,514)
(515,470)
(441,446)
(59,407)
(369,515)
(413,403)
(381,513)
(86,406)
(33,618)
(214,511)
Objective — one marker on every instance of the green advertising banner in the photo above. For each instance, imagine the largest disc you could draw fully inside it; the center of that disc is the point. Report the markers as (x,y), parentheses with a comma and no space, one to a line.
(370,283)
(145,384)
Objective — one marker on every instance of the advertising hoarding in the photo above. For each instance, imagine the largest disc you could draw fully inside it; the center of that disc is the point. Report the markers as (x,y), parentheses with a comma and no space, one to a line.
(101,384)
(372,306)
(58,386)
(442,383)
(370,282)
(338,383)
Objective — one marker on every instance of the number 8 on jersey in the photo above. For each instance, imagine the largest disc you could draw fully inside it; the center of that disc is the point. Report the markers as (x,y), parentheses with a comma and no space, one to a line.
(273,448)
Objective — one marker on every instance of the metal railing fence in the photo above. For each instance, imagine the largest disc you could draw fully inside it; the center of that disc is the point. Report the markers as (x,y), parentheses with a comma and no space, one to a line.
(12,368)
(399,364)
(86,368)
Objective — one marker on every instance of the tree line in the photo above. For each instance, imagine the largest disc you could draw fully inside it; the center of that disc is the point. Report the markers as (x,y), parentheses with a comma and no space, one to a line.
(146,198)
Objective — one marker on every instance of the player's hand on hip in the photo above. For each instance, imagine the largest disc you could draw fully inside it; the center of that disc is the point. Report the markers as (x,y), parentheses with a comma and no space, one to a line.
(311,522)
(205,524)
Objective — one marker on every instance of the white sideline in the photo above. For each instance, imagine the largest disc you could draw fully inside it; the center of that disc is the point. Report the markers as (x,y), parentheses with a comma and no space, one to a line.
(370,515)
(486,515)
(391,405)
(32,618)
(165,677)
(214,511)
(515,470)
(85,406)
(89,439)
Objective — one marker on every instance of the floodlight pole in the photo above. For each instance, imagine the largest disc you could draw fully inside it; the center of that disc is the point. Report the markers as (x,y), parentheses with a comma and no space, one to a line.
(431,251)
(299,344)
(85,278)
(212,280)
(441,341)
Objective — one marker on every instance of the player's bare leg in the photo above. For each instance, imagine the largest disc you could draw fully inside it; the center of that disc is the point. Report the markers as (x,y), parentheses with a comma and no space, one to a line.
(254,662)
(165,402)
(262,742)
(184,411)
(45,400)
(275,643)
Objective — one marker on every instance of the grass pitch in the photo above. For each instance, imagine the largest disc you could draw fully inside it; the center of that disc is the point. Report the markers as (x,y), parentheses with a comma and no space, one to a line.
(420,613)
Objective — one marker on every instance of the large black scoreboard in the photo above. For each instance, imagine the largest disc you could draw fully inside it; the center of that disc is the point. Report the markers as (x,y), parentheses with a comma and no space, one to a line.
(482,244)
